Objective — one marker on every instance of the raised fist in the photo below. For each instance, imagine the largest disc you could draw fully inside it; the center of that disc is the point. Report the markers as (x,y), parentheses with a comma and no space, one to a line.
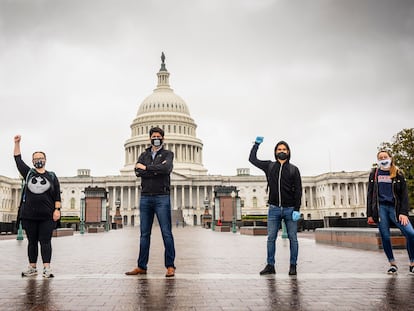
(259,140)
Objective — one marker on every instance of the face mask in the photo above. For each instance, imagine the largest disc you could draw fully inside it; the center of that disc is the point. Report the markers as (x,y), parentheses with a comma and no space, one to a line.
(384,163)
(156,142)
(282,155)
(39,164)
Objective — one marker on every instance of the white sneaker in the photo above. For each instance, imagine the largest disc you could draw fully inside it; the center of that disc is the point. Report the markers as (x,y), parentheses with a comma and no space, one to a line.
(411,270)
(47,273)
(31,271)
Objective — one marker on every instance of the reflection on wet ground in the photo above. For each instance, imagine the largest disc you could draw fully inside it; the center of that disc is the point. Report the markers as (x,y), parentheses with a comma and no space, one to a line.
(215,271)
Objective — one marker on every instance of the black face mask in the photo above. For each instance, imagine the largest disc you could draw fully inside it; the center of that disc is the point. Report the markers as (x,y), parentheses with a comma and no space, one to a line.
(156,142)
(39,164)
(282,155)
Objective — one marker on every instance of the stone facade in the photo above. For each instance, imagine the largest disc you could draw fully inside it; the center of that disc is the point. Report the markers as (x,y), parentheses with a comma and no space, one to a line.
(337,193)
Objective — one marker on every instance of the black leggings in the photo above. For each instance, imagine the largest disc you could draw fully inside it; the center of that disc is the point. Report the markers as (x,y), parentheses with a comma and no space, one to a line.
(39,231)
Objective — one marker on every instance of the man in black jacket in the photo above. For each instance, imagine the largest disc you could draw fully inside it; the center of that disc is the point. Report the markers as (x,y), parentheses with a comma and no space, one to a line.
(285,195)
(154,166)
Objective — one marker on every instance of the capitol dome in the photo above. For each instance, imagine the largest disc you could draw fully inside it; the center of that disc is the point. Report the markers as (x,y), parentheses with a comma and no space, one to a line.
(169,111)
(162,101)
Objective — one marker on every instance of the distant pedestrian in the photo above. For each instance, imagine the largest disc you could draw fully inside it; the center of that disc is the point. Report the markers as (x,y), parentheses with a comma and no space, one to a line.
(387,202)
(285,193)
(39,209)
(154,166)
(177,223)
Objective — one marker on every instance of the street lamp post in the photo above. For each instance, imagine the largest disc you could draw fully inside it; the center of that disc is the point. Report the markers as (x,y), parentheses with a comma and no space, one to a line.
(213,218)
(20,232)
(107,218)
(20,229)
(82,213)
(233,199)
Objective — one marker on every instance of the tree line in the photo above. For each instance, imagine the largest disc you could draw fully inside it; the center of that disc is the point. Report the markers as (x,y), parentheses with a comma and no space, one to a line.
(401,147)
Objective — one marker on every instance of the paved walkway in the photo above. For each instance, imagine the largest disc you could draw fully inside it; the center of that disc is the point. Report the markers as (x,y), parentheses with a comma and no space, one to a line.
(215,271)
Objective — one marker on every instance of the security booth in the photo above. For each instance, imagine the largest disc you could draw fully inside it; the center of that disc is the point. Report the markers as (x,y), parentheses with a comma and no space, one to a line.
(96,208)
(227,207)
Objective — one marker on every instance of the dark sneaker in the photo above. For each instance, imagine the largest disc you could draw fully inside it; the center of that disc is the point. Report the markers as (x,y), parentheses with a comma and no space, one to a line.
(269,269)
(393,270)
(411,270)
(292,270)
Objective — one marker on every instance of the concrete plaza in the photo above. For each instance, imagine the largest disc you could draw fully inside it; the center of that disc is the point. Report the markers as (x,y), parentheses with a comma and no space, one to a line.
(215,271)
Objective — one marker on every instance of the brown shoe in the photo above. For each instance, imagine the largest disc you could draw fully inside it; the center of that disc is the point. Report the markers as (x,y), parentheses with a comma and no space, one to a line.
(170,272)
(136,271)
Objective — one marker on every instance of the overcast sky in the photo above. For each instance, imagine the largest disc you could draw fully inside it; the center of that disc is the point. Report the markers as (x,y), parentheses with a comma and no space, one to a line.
(333,78)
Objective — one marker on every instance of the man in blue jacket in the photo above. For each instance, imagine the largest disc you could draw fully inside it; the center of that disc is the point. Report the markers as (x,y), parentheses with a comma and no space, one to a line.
(154,166)
(285,195)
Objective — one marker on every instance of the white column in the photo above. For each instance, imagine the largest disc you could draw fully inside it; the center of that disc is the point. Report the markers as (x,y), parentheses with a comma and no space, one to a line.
(198,197)
(346,196)
(330,201)
(339,195)
(17,199)
(357,194)
(182,197)
(190,194)
(311,196)
(175,197)
(129,199)
(113,197)
(365,190)
(136,200)
(304,197)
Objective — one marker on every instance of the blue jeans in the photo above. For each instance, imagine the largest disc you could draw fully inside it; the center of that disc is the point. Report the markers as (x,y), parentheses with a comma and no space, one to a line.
(159,205)
(387,215)
(274,220)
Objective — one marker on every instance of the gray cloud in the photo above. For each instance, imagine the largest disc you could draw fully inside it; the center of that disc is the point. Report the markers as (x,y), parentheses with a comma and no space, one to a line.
(333,78)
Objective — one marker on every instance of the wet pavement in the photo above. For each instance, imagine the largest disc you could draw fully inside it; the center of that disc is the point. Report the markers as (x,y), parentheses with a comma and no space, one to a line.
(215,271)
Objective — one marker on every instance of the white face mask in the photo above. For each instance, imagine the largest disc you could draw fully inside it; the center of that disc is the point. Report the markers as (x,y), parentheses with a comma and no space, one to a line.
(386,163)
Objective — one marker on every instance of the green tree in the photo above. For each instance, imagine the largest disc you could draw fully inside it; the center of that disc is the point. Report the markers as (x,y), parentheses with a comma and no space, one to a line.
(402,149)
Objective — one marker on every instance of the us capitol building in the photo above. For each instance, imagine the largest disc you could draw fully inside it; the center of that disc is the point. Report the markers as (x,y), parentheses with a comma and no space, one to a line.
(192,189)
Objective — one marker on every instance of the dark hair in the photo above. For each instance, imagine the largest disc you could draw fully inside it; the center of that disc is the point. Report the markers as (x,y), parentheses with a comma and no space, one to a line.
(282,142)
(156,129)
(44,154)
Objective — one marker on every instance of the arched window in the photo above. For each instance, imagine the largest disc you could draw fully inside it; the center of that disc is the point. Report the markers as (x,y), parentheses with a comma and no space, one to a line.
(254,203)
